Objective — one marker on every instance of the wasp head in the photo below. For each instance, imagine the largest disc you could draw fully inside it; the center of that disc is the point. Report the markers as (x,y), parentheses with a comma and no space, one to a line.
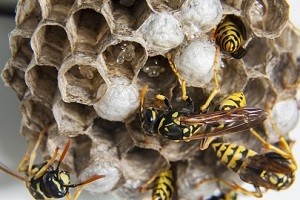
(149,119)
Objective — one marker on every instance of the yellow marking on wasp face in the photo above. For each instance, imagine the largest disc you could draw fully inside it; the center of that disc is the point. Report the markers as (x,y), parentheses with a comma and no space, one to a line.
(185,130)
(175,114)
(64,177)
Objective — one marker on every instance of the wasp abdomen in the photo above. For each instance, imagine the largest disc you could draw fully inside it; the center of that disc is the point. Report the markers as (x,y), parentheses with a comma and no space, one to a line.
(232,155)
(163,186)
(228,36)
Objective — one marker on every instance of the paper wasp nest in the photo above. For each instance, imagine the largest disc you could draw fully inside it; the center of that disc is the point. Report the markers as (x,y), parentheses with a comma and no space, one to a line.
(79,66)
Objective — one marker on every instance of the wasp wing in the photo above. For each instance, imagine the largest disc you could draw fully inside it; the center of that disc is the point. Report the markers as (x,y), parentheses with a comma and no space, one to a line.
(272,161)
(235,120)
(249,175)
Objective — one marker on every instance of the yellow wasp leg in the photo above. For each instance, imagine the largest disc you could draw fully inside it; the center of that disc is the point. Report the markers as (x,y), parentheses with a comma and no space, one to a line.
(181,80)
(42,171)
(293,85)
(32,151)
(268,145)
(257,193)
(147,184)
(143,94)
(287,150)
(216,89)
(78,192)
(205,142)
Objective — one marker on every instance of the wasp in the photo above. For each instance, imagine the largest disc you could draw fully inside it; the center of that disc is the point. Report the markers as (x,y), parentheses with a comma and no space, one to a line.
(274,169)
(163,185)
(231,195)
(229,34)
(185,125)
(44,181)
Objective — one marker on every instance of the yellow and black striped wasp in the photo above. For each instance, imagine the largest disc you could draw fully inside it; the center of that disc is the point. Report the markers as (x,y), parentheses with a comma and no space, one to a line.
(230,195)
(230,34)
(163,185)
(44,181)
(274,169)
(186,125)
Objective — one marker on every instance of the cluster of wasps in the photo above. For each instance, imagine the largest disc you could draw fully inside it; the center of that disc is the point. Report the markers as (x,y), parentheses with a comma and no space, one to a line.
(273,169)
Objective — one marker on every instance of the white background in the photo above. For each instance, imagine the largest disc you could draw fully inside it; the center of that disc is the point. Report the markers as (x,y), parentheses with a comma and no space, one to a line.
(13,145)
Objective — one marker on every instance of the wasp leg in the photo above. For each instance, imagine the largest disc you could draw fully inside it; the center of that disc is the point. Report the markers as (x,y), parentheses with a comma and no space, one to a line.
(268,145)
(238,189)
(205,142)
(142,96)
(42,171)
(293,85)
(165,100)
(181,80)
(216,89)
(30,154)
(285,149)
(148,184)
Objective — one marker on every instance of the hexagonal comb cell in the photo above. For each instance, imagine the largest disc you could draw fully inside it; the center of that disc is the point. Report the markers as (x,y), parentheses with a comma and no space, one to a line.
(285,72)
(87,27)
(50,44)
(165,5)
(141,163)
(72,118)
(124,58)
(235,70)
(157,74)
(28,15)
(80,81)
(126,17)
(267,18)
(36,115)
(20,48)
(266,50)
(42,82)
(56,10)
(15,78)
(259,92)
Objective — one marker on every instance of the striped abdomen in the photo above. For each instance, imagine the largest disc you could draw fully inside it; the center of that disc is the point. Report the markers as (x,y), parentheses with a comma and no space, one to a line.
(228,36)
(232,155)
(163,186)
(234,100)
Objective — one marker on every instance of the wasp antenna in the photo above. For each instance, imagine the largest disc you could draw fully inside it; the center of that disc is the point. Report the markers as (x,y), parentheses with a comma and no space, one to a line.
(91,179)
(10,172)
(63,154)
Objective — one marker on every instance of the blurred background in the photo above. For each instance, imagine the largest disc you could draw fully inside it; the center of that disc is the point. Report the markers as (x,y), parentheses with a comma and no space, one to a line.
(13,144)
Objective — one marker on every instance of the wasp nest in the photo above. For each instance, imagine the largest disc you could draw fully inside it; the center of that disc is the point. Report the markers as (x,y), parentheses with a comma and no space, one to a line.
(80,65)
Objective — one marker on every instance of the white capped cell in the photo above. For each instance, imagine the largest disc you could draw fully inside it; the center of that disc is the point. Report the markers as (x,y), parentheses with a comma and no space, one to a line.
(119,102)
(162,32)
(195,63)
(286,115)
(198,16)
